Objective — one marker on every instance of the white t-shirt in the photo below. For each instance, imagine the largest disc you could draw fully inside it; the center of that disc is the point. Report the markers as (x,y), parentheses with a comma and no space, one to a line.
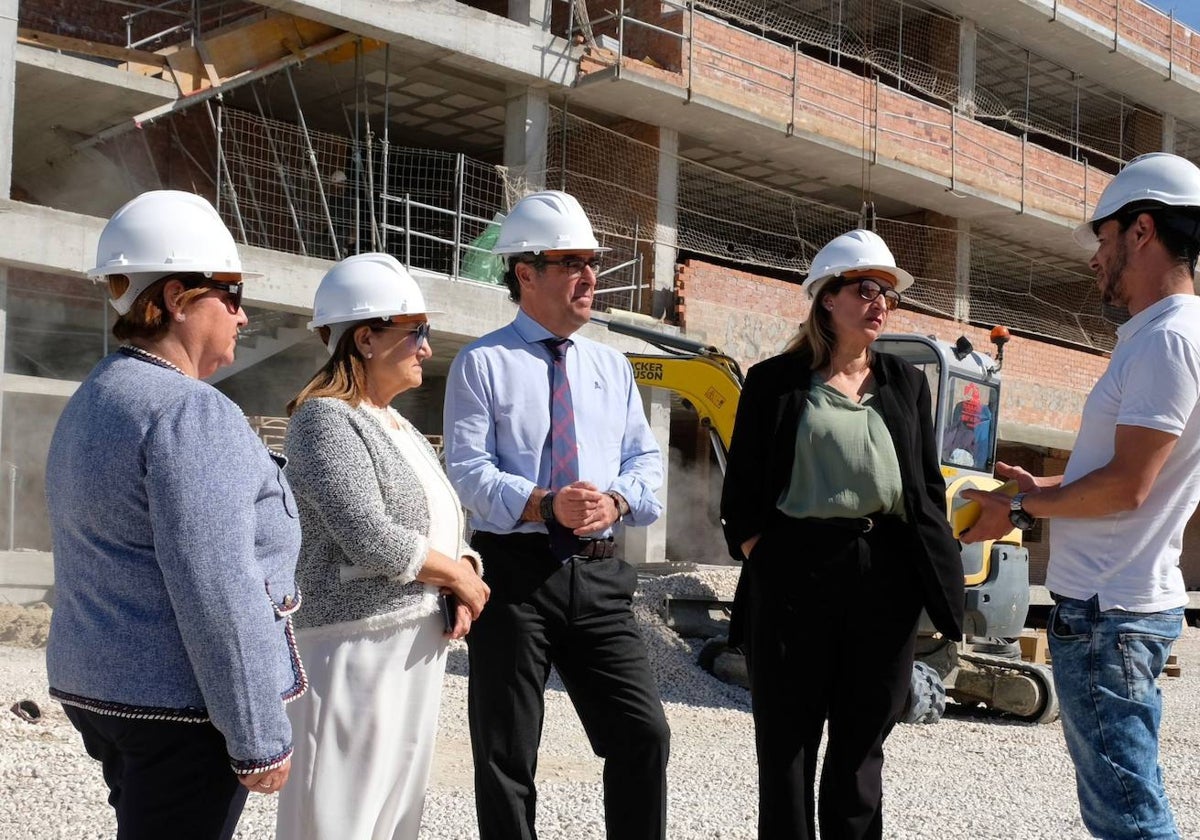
(1131,559)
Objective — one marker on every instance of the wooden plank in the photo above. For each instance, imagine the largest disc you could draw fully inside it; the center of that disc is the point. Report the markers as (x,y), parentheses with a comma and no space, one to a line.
(189,72)
(1033,646)
(1172,668)
(66,43)
(207,62)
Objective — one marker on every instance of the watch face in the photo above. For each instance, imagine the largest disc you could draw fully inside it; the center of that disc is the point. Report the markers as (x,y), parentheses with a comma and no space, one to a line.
(1020,519)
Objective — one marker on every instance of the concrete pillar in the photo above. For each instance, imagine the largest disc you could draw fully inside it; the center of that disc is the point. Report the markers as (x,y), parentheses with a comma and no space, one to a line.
(649,545)
(1168,133)
(8,79)
(531,12)
(666,229)
(526,129)
(967,36)
(962,272)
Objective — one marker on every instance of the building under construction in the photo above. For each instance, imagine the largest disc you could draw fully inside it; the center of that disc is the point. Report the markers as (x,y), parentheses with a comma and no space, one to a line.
(716,145)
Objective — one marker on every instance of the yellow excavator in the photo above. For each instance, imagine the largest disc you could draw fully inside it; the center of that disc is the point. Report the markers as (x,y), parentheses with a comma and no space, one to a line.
(985,669)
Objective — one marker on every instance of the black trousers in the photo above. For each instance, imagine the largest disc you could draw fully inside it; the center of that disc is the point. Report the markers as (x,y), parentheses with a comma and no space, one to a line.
(830,636)
(575,616)
(165,778)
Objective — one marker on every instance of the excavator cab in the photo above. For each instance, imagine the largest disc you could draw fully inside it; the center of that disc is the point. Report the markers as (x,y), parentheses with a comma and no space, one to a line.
(986,669)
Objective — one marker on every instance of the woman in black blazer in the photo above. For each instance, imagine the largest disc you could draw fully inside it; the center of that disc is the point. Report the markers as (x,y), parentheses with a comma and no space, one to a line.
(834,499)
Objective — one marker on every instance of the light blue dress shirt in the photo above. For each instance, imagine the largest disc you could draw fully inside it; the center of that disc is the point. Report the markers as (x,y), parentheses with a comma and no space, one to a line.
(497,426)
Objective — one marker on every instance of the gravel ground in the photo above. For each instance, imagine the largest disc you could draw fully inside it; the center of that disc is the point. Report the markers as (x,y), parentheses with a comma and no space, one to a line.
(964,777)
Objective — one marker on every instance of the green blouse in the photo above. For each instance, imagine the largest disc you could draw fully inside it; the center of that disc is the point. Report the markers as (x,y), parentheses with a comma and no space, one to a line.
(845,464)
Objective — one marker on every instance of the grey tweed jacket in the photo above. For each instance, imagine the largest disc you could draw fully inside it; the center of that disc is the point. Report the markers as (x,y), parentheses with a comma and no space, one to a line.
(361,505)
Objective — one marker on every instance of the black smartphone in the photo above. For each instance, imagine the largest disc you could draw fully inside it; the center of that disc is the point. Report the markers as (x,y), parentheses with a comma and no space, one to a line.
(448,604)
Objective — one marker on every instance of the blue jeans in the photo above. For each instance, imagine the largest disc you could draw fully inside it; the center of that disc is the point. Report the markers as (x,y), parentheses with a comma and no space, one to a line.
(1105,663)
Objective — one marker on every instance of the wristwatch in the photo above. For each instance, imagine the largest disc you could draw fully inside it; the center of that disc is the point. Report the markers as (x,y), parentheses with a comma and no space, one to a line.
(622,505)
(547,508)
(1017,514)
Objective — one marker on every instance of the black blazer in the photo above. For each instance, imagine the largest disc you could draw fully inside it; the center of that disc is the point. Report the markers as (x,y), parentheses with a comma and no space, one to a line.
(763,449)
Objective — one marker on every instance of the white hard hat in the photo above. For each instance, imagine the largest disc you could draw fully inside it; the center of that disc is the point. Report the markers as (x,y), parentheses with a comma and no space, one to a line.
(159,233)
(1158,177)
(550,220)
(364,287)
(858,250)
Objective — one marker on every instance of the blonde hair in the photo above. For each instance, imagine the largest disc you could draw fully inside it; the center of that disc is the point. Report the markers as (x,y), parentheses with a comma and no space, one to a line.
(148,318)
(816,337)
(343,377)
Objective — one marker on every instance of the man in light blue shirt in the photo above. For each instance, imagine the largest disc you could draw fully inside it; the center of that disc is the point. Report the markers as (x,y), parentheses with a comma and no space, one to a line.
(513,430)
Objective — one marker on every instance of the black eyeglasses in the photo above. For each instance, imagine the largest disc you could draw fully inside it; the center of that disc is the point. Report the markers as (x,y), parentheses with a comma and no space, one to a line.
(573,265)
(421,331)
(869,289)
(233,292)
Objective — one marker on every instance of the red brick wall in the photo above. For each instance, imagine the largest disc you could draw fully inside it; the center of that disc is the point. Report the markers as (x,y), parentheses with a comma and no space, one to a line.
(94,21)
(756,75)
(1143,26)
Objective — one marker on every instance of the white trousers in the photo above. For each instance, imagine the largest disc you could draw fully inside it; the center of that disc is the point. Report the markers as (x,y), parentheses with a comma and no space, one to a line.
(364,732)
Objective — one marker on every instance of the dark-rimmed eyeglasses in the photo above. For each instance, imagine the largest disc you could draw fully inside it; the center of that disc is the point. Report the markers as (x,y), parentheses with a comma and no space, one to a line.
(573,265)
(233,291)
(869,289)
(421,331)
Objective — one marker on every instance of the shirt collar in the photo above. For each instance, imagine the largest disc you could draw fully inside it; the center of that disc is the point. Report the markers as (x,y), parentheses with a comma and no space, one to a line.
(1152,313)
(530,331)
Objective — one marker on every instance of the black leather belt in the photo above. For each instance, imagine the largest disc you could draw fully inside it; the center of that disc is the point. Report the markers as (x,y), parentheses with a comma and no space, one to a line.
(862,524)
(596,549)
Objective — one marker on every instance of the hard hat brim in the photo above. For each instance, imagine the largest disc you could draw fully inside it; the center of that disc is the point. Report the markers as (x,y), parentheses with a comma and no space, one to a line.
(102,272)
(1085,237)
(902,278)
(313,326)
(512,250)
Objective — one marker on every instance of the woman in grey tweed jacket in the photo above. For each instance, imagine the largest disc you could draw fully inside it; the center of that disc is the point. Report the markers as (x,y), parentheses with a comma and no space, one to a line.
(382,546)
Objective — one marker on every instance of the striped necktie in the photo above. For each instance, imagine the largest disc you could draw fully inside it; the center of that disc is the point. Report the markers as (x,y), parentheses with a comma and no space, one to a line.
(564,450)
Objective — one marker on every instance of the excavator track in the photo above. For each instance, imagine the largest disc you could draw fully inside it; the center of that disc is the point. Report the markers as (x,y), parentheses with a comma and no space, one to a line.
(1022,689)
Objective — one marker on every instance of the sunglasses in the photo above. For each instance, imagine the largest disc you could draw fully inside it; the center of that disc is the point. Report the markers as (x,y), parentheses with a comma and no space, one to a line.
(421,331)
(573,265)
(869,289)
(233,291)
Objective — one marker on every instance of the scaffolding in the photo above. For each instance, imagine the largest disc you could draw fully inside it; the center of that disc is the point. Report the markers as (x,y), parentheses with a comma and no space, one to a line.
(730,219)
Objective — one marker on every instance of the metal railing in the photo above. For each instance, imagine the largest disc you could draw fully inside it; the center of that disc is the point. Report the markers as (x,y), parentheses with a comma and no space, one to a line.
(780,81)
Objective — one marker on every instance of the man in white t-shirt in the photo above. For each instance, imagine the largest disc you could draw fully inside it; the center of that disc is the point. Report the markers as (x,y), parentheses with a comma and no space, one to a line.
(1121,506)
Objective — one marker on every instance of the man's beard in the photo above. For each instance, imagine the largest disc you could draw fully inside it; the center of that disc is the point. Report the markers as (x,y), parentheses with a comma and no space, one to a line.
(1113,292)
(1113,305)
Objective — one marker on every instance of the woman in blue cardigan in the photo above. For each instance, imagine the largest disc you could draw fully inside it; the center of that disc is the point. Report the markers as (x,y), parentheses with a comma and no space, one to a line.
(834,499)
(175,542)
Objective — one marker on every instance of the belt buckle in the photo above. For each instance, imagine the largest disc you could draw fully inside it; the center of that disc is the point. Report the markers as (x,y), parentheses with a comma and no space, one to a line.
(868,524)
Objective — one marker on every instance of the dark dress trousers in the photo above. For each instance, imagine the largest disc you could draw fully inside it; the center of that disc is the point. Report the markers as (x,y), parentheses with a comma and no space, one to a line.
(826,611)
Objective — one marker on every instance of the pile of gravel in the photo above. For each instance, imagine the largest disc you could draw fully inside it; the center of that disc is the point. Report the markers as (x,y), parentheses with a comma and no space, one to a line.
(967,776)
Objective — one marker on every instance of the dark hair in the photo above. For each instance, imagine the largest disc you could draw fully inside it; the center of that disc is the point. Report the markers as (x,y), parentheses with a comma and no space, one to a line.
(538,261)
(510,277)
(148,318)
(1177,228)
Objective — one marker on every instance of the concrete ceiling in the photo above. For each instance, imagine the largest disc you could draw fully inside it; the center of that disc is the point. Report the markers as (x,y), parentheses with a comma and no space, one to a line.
(427,100)
(60,102)
(1079,45)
